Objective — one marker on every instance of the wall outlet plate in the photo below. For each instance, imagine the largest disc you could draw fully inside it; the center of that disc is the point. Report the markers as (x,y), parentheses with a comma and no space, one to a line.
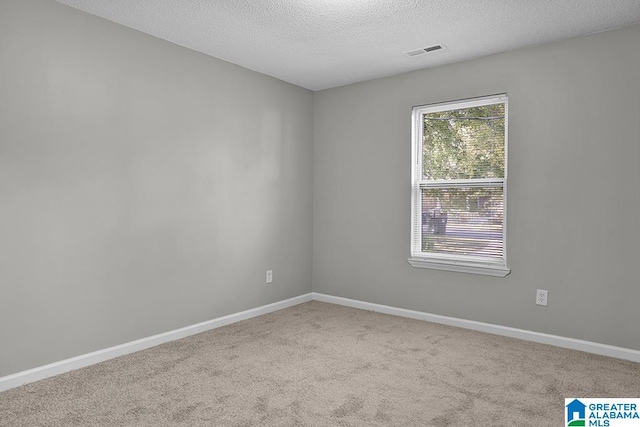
(269,276)
(541,297)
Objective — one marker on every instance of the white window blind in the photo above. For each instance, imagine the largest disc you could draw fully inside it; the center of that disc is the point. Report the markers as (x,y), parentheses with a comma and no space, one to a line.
(459,171)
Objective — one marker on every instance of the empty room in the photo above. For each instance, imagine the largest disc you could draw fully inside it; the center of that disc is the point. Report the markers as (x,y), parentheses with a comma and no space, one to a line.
(319,213)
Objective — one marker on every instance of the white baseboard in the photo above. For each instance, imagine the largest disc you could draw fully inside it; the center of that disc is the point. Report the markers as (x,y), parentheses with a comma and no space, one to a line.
(81,361)
(558,341)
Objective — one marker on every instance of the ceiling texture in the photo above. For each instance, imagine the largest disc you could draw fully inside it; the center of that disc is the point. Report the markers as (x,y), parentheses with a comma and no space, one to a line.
(319,44)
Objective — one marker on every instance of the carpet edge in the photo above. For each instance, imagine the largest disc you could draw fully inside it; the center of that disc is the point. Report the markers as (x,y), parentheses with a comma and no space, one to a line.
(523,334)
(46,371)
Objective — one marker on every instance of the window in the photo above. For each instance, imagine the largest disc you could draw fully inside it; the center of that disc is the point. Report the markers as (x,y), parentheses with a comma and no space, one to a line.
(459,174)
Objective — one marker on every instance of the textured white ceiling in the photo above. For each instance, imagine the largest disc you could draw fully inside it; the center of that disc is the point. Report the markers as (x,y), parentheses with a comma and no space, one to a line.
(319,44)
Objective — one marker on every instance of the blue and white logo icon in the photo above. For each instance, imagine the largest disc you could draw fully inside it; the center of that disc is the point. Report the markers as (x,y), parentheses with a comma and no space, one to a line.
(576,413)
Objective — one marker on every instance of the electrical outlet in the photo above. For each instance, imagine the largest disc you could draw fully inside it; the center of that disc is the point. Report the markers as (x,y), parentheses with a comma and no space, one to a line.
(269,276)
(541,297)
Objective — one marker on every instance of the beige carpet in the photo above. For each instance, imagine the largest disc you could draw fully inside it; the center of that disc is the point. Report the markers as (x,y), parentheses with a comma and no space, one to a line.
(319,364)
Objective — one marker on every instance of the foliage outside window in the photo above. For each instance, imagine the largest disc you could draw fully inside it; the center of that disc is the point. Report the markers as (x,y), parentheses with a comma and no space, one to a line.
(459,186)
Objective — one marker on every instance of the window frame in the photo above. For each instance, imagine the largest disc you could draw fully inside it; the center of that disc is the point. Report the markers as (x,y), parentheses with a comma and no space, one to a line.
(460,263)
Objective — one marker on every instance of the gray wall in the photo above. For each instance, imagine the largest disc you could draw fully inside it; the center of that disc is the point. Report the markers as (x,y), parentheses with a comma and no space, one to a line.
(573,201)
(143,186)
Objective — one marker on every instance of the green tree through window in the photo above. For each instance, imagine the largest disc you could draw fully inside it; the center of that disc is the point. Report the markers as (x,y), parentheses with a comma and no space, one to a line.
(465,143)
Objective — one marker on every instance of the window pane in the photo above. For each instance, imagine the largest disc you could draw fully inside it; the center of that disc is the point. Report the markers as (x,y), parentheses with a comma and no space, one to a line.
(464,143)
(463,221)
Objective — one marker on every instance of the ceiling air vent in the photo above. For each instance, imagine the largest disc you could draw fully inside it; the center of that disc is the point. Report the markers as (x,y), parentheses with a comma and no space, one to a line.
(425,50)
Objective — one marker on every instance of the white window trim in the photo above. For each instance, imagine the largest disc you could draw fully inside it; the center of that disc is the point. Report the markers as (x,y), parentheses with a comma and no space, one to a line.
(460,267)
(471,264)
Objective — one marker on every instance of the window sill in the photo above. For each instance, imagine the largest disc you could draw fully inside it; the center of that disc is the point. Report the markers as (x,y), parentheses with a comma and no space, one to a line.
(460,267)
